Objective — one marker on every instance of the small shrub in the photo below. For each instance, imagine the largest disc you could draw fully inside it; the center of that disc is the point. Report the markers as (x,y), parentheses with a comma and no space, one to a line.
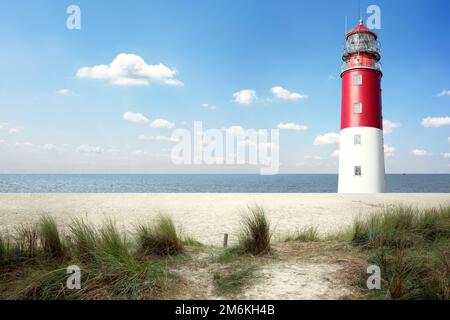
(255,235)
(159,239)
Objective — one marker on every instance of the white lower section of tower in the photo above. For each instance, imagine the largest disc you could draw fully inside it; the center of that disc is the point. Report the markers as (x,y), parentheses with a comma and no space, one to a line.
(361,160)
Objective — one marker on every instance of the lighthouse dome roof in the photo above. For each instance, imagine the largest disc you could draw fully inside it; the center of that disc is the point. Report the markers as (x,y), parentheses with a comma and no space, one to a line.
(361,28)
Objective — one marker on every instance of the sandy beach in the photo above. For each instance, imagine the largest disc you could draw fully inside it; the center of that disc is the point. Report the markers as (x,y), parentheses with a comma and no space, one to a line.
(204,216)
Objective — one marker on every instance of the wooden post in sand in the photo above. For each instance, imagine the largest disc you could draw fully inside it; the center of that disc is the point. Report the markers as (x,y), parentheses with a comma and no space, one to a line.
(225,240)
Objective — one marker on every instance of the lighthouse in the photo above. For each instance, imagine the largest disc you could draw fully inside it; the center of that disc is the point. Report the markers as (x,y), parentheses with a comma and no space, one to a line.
(361,154)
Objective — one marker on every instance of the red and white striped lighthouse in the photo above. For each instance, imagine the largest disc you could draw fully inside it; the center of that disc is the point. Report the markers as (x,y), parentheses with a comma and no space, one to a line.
(361,154)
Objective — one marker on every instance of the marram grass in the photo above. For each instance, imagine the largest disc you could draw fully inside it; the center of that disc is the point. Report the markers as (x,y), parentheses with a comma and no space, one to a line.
(50,237)
(111,267)
(255,234)
(160,238)
(412,248)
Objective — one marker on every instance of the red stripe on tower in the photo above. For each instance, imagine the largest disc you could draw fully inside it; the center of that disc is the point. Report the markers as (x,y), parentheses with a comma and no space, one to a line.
(366,96)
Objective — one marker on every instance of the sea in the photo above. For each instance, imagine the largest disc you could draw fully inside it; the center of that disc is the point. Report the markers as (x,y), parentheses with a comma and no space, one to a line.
(212,183)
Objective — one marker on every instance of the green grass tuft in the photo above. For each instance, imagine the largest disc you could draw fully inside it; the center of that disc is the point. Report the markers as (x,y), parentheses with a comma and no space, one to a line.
(159,239)
(84,239)
(7,253)
(111,242)
(255,235)
(233,282)
(27,241)
(309,234)
(50,238)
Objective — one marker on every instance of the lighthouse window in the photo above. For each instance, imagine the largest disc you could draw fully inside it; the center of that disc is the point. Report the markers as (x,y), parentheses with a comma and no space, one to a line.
(358,171)
(357,80)
(357,107)
(357,139)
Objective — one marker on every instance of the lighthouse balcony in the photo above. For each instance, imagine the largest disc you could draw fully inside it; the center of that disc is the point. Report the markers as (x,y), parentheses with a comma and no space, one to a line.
(368,47)
(363,64)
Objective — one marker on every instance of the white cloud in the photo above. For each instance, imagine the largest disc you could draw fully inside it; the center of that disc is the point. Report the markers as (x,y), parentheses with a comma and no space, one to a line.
(448,139)
(162,124)
(24,144)
(335,153)
(208,106)
(85,148)
(420,152)
(267,145)
(245,97)
(327,138)
(135,117)
(313,157)
(247,143)
(14,130)
(138,153)
(157,138)
(140,118)
(235,130)
(435,122)
(285,94)
(131,70)
(64,92)
(10,129)
(444,93)
(292,126)
(446,155)
(389,150)
(49,147)
(389,126)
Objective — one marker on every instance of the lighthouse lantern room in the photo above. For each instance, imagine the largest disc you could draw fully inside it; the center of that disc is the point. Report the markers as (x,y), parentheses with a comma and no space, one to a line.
(361,154)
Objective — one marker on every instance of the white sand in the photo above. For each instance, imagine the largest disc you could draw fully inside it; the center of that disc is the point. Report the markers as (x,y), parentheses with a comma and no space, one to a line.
(207,217)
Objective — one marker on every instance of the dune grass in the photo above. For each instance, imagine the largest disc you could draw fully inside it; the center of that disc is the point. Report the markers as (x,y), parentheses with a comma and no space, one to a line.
(308,234)
(412,248)
(50,238)
(160,239)
(255,234)
(26,240)
(112,267)
(84,239)
(7,253)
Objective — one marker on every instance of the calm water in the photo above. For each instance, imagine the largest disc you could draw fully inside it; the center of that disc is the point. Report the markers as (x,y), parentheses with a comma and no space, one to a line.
(222,183)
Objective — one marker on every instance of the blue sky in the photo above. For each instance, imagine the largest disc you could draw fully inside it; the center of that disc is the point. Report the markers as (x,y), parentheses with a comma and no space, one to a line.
(55,118)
